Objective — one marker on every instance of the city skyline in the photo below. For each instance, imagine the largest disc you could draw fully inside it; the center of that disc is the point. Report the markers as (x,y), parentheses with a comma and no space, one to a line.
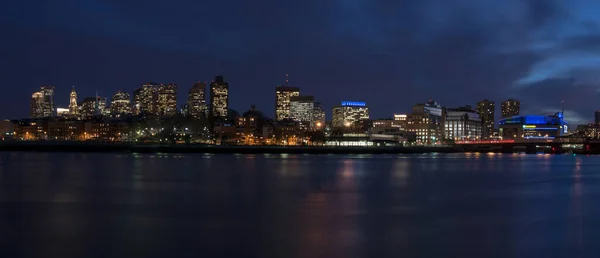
(457,57)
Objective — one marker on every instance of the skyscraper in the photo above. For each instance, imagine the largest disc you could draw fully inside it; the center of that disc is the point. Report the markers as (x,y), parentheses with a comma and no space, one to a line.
(166,103)
(120,104)
(219,97)
(42,102)
(88,107)
(196,103)
(144,99)
(510,107)
(282,101)
(486,110)
(319,116)
(73,107)
(302,109)
(349,112)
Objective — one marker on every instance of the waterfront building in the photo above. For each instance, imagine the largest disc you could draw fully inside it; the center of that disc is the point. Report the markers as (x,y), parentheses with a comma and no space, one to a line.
(427,122)
(348,113)
(319,116)
(533,127)
(120,104)
(219,97)
(486,110)
(283,95)
(73,106)
(42,103)
(462,123)
(510,107)
(196,103)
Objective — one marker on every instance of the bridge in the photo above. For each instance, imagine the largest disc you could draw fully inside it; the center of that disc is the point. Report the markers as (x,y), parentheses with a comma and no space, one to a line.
(531,145)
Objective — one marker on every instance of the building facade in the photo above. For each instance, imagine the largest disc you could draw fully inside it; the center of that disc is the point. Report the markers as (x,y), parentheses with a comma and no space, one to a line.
(120,104)
(166,100)
(302,110)
(510,107)
(219,97)
(144,99)
(196,103)
(486,110)
(319,116)
(42,103)
(73,106)
(283,94)
(426,122)
(462,123)
(533,127)
(348,113)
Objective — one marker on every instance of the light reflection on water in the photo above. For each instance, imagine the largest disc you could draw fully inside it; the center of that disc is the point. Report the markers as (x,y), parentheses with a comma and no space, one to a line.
(212,205)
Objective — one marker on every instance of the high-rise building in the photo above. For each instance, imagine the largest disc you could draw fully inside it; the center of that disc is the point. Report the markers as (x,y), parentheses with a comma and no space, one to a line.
(282,101)
(427,122)
(120,104)
(42,102)
(462,123)
(144,99)
(196,103)
(510,107)
(319,116)
(486,110)
(349,112)
(302,109)
(73,106)
(597,117)
(88,107)
(219,97)
(166,103)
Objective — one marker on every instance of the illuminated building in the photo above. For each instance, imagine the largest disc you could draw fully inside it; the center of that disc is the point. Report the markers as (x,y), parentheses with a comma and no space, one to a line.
(42,102)
(510,108)
(283,94)
(401,120)
(166,103)
(196,103)
(319,116)
(427,122)
(486,110)
(144,100)
(302,109)
(348,113)
(219,97)
(63,111)
(533,127)
(73,107)
(120,104)
(462,123)
(66,130)
(93,106)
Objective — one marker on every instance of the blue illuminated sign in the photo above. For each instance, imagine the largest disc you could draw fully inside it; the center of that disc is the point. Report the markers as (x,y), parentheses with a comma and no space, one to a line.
(354,104)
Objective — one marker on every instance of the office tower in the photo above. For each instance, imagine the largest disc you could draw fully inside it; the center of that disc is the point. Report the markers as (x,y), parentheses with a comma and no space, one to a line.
(42,102)
(144,99)
(349,112)
(282,101)
(219,97)
(486,110)
(462,123)
(120,104)
(510,107)
(427,122)
(88,107)
(73,106)
(319,116)
(166,103)
(196,103)
(302,109)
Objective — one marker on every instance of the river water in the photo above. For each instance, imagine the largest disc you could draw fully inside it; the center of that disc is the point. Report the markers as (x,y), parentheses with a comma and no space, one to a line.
(425,205)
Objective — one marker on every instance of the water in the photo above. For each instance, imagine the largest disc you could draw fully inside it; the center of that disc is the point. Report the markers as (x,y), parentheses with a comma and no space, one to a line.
(430,205)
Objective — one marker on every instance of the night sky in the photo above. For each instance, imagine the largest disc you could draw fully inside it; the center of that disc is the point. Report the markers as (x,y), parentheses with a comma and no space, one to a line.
(389,53)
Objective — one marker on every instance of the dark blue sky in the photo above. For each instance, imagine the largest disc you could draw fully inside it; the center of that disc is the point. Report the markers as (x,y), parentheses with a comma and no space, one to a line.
(389,53)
